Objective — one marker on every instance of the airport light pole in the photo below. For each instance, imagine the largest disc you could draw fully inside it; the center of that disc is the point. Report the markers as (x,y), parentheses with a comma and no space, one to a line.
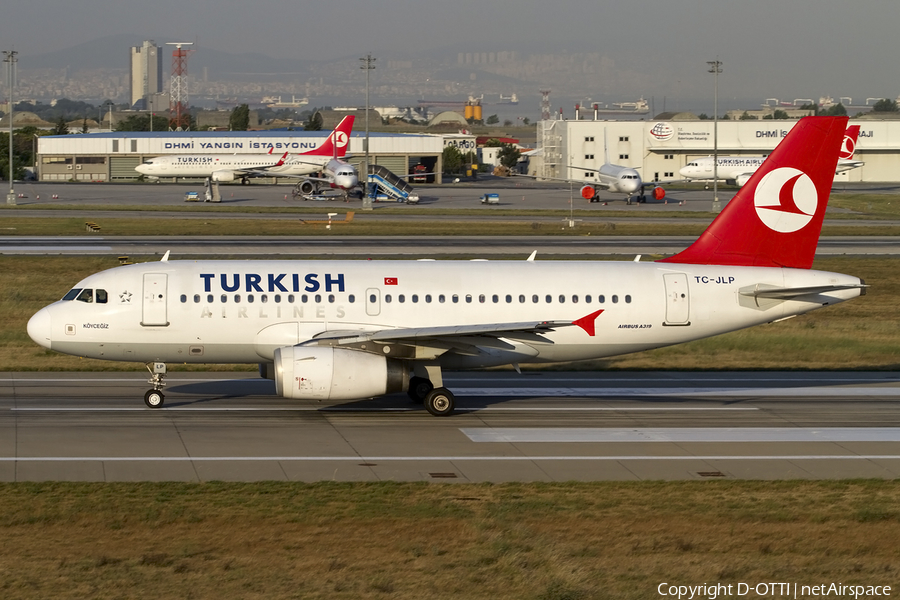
(715,67)
(10,61)
(366,66)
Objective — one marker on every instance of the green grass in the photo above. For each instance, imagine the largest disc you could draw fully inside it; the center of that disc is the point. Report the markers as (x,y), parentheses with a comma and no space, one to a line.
(316,226)
(407,540)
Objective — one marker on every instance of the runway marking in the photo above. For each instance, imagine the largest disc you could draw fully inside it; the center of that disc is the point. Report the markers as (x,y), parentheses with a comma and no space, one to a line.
(10,459)
(387,409)
(798,392)
(172,381)
(682,434)
(604,392)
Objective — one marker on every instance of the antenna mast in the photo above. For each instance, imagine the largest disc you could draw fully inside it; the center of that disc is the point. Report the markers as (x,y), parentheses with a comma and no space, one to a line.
(178,91)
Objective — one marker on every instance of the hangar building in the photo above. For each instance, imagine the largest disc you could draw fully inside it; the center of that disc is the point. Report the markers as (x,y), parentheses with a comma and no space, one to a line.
(658,149)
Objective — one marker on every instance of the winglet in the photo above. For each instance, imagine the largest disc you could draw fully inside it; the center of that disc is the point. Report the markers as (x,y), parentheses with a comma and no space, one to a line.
(587,322)
(281,160)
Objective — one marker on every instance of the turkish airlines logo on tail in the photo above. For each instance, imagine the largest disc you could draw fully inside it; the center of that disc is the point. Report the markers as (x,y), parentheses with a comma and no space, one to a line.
(340,138)
(848,147)
(786,200)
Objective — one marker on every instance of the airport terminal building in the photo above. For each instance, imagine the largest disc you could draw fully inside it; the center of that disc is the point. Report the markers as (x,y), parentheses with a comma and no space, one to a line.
(103,157)
(660,148)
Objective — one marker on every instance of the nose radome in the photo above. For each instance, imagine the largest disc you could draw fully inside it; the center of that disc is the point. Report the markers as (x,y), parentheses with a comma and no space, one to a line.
(39,328)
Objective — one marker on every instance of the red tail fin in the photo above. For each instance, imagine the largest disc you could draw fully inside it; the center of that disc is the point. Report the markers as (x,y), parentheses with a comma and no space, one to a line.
(336,144)
(849,145)
(775,219)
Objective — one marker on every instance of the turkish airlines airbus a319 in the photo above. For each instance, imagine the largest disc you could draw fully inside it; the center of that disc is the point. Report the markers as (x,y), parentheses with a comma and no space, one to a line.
(346,330)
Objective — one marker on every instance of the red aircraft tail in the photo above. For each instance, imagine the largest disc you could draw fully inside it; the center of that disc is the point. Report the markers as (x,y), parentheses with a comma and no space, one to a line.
(336,144)
(775,219)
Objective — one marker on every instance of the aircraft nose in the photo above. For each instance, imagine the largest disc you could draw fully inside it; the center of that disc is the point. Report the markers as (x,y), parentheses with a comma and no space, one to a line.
(347,182)
(39,328)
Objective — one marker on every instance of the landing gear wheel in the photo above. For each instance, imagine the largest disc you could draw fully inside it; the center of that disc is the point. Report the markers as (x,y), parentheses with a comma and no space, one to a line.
(440,402)
(154,399)
(419,388)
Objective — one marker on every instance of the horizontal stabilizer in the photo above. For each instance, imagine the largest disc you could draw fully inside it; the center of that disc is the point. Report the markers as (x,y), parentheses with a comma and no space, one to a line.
(774,293)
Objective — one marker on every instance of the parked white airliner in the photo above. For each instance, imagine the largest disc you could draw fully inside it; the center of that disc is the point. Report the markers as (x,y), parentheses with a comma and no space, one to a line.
(614,178)
(346,330)
(234,167)
(737,170)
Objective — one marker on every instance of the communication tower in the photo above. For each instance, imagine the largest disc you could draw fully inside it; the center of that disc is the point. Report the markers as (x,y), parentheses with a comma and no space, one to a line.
(545,105)
(178,91)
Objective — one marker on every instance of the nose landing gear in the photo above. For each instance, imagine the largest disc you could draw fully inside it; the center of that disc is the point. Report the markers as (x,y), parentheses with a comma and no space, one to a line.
(154,398)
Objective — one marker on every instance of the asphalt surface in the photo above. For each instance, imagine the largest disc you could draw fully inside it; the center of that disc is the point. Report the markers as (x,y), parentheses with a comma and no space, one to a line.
(546,426)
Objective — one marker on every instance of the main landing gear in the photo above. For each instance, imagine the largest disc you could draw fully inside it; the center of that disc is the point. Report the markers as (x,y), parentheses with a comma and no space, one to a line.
(439,401)
(154,398)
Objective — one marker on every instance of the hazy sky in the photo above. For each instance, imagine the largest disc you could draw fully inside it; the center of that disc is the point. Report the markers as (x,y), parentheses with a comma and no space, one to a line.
(783,48)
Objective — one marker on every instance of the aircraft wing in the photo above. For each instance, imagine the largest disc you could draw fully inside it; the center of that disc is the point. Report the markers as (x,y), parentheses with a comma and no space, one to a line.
(430,342)
(262,171)
(594,183)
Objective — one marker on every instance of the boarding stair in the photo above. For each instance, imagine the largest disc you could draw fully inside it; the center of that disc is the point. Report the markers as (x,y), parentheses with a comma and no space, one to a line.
(384,185)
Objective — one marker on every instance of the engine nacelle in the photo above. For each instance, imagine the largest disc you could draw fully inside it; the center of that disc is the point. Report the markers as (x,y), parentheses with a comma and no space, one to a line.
(222,175)
(327,373)
(307,187)
(740,180)
(659,193)
(588,192)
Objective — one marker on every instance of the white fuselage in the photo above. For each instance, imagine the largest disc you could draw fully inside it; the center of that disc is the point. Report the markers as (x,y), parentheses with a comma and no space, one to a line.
(619,179)
(739,169)
(241,312)
(206,165)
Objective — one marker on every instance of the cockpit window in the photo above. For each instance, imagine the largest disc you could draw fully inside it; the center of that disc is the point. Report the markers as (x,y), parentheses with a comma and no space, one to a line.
(86,295)
(100,296)
(72,294)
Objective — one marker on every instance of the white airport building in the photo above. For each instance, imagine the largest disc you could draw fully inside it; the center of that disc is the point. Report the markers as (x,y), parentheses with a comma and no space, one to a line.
(659,149)
(103,157)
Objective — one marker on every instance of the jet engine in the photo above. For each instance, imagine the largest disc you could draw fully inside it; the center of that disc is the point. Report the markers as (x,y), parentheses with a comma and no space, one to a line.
(327,373)
(659,193)
(588,192)
(222,175)
(307,187)
(740,180)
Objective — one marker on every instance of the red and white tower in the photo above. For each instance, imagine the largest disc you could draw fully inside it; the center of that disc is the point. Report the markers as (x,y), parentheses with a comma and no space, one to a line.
(178,91)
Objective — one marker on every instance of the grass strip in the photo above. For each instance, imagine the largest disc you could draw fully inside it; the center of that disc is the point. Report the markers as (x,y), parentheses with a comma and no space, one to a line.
(542,541)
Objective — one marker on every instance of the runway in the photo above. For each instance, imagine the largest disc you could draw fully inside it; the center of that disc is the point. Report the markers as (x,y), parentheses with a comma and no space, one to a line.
(538,426)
